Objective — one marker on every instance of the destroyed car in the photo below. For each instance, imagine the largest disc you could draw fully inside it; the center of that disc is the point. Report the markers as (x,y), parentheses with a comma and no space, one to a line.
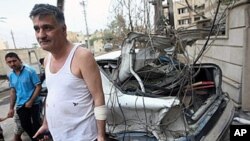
(153,96)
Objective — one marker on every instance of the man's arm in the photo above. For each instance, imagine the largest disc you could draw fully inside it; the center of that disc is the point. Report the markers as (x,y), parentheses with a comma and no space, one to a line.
(36,81)
(42,129)
(12,102)
(34,95)
(90,73)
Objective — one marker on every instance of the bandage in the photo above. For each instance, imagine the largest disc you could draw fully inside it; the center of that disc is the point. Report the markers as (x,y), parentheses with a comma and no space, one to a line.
(100,112)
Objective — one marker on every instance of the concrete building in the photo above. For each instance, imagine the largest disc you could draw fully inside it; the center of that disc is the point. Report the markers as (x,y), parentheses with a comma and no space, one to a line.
(231,52)
(184,16)
(98,44)
(229,48)
(187,13)
(76,37)
(97,40)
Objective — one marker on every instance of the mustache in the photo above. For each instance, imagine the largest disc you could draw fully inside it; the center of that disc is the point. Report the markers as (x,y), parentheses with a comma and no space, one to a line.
(43,40)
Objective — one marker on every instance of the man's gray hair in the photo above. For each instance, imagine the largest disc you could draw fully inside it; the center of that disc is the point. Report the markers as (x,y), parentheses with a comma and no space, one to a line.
(41,10)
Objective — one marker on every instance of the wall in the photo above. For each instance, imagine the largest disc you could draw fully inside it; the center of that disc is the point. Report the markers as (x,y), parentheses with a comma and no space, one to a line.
(98,44)
(231,53)
(246,63)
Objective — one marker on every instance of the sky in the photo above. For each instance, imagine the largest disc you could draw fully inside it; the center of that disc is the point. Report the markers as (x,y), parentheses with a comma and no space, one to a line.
(18,21)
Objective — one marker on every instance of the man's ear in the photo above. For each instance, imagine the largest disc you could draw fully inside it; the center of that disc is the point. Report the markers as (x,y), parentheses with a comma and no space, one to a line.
(64,28)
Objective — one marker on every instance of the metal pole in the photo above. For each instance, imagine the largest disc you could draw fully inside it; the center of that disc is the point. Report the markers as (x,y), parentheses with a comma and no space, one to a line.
(13,38)
(158,15)
(171,13)
(60,4)
(86,24)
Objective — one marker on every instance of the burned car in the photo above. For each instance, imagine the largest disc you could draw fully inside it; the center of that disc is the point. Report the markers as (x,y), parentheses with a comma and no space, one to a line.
(153,96)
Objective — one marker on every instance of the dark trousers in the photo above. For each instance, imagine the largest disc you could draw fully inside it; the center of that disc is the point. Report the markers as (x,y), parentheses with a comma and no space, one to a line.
(30,119)
(1,134)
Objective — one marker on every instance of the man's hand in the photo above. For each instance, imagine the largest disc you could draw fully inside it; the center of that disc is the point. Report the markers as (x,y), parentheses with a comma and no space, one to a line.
(42,133)
(10,113)
(100,138)
(28,104)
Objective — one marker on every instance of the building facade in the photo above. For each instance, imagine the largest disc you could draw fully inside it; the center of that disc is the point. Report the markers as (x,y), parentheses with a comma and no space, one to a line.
(231,52)
(187,13)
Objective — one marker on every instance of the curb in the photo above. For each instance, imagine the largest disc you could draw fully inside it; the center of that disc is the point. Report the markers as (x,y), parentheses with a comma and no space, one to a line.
(5,89)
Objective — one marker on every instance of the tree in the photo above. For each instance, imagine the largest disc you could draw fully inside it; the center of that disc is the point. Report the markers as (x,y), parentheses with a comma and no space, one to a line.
(129,15)
(134,14)
(117,31)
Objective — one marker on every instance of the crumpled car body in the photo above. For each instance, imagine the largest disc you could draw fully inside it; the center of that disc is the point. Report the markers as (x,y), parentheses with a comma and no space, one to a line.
(152,96)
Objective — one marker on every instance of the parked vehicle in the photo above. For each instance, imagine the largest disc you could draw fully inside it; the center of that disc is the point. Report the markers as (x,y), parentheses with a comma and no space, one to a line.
(152,96)
(108,46)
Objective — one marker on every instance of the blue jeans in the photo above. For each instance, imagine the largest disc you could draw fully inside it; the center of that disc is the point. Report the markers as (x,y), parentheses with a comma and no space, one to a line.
(30,119)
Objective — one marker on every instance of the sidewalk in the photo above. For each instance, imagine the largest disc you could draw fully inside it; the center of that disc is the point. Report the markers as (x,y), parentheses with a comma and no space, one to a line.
(4,85)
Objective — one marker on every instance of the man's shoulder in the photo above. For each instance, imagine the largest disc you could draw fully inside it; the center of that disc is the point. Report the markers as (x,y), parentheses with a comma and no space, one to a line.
(83,50)
(83,53)
(10,74)
(29,69)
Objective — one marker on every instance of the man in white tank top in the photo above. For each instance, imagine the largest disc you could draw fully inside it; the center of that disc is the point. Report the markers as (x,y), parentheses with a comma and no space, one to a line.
(75,105)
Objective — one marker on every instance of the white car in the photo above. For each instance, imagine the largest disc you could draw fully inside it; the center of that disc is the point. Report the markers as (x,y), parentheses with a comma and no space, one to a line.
(152,96)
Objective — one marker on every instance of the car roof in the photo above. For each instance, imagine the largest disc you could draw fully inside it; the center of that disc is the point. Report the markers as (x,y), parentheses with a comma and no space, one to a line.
(109,56)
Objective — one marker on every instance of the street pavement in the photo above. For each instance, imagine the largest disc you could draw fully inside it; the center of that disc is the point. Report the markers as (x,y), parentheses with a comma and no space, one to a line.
(8,124)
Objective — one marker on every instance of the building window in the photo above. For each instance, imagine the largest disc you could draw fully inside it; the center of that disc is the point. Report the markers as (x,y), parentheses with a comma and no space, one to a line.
(200,7)
(184,21)
(197,18)
(182,10)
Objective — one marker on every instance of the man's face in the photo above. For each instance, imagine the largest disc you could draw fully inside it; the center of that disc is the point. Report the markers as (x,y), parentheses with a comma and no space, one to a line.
(13,63)
(49,33)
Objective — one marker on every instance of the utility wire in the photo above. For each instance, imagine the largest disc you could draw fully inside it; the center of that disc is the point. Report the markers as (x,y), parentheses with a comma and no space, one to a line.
(210,33)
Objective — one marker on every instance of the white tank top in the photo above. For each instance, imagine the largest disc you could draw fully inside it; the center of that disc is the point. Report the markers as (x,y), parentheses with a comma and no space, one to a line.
(69,105)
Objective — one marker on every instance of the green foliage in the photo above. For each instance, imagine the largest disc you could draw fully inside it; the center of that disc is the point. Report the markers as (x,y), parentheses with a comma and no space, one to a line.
(108,36)
(93,39)
(117,31)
